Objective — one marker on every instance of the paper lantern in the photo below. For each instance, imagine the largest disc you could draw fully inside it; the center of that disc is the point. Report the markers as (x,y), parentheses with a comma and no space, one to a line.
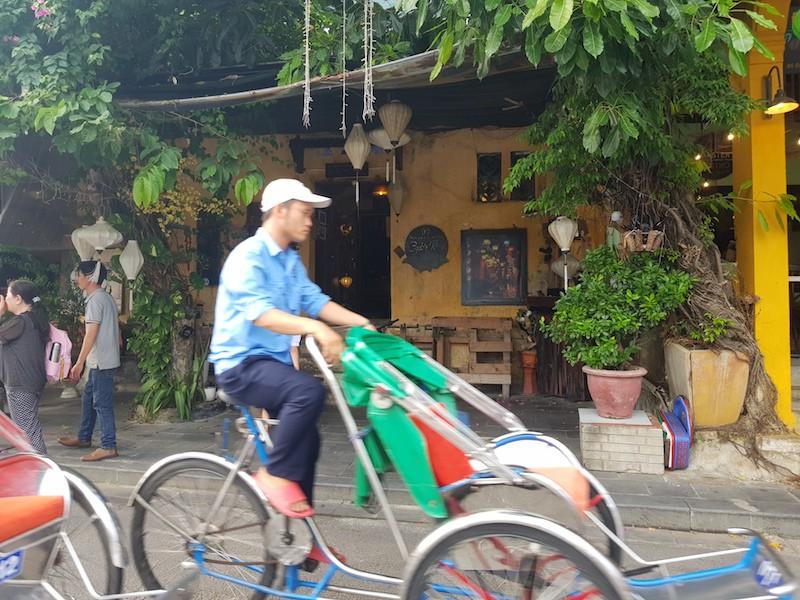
(99,236)
(357,146)
(379,138)
(396,192)
(563,230)
(395,117)
(84,249)
(131,260)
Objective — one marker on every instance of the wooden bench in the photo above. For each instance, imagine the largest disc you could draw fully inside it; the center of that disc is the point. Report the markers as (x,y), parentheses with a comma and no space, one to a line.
(478,349)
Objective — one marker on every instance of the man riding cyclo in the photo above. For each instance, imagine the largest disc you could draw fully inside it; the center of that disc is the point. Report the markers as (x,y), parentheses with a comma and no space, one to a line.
(263,290)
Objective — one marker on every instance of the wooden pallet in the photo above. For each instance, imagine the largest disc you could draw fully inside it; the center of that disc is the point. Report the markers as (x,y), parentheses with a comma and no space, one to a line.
(477,348)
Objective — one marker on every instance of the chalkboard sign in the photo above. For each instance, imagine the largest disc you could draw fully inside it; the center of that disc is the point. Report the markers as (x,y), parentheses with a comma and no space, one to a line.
(426,248)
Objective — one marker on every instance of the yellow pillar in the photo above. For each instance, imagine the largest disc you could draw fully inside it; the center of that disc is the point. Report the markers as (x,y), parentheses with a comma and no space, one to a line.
(763,256)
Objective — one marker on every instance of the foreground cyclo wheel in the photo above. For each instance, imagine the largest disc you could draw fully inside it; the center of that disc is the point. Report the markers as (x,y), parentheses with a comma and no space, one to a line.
(90,541)
(179,499)
(498,554)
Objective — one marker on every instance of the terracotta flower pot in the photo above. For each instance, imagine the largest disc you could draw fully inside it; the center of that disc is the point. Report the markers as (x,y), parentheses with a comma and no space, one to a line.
(615,393)
(528,360)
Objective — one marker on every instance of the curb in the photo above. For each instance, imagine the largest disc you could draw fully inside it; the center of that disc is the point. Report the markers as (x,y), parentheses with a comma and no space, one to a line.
(334,499)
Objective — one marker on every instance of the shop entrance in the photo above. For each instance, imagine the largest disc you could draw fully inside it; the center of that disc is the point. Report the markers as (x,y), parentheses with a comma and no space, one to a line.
(352,248)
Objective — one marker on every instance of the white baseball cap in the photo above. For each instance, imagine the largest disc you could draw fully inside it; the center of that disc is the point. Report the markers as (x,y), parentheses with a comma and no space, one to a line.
(282,190)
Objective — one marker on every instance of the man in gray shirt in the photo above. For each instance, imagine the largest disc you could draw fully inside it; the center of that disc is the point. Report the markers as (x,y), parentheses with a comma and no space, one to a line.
(100,354)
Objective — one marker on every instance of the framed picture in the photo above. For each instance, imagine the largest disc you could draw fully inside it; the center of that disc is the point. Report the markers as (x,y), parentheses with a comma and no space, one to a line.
(494,267)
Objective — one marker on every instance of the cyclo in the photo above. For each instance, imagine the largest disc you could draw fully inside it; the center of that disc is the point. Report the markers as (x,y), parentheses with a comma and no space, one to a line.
(59,538)
(489,541)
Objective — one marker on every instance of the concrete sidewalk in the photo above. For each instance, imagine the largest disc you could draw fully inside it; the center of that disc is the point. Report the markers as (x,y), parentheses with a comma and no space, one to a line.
(677,501)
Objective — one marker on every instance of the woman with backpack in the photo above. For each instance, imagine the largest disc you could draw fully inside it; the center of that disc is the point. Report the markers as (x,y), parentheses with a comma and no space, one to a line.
(22,351)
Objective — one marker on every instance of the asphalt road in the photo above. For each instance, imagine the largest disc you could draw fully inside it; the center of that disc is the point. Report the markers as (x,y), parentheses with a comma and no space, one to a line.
(369,546)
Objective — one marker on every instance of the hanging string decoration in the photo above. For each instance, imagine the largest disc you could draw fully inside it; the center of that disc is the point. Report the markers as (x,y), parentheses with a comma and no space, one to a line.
(307,80)
(343,127)
(369,96)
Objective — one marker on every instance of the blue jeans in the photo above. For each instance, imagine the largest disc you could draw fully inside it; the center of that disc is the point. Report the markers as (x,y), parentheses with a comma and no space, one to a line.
(97,402)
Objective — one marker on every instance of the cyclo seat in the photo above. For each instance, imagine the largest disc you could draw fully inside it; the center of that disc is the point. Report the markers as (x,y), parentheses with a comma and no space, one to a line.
(21,496)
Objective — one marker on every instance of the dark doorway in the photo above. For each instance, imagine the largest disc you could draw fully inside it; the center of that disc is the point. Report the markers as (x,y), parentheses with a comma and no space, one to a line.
(352,249)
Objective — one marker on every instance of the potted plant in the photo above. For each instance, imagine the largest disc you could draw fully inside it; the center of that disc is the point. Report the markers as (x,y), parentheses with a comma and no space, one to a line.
(528,326)
(697,369)
(600,320)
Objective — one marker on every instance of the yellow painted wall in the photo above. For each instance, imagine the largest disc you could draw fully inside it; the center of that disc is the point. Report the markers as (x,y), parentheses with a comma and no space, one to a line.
(440,176)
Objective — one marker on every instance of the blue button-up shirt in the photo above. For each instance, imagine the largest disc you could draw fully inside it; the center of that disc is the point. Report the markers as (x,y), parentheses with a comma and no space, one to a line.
(259,276)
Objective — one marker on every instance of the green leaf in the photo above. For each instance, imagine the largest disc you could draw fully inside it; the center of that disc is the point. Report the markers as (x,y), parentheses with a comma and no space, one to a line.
(763,21)
(648,10)
(738,62)
(629,26)
(503,15)
(534,13)
(422,14)
(762,49)
(446,47)
(492,4)
(616,5)
(796,25)
(706,37)
(611,145)
(780,218)
(592,39)
(746,185)
(741,37)
(493,40)
(560,13)
(762,220)
(533,47)
(556,40)
(106,97)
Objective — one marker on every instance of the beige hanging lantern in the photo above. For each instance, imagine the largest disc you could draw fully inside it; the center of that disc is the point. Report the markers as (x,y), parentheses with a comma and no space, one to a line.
(132,262)
(396,192)
(563,230)
(357,148)
(84,249)
(99,236)
(395,117)
(379,138)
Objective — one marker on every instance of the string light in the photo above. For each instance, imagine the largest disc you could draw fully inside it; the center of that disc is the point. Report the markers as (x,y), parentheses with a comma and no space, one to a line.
(706,184)
(698,156)
(730,136)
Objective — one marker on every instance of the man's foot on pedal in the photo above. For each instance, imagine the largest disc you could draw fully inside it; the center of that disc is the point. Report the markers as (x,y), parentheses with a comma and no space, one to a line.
(284,495)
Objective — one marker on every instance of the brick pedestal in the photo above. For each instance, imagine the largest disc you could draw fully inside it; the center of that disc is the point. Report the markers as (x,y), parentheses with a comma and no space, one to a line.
(634,445)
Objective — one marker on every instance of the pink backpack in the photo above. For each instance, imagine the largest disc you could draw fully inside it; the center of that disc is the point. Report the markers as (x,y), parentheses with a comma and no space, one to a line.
(58,355)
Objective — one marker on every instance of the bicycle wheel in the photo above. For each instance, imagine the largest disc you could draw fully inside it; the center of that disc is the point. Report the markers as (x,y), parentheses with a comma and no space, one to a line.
(180,496)
(488,559)
(91,544)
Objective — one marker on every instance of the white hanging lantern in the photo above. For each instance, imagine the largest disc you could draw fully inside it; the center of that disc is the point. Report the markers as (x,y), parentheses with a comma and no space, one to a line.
(396,192)
(132,262)
(100,236)
(84,249)
(563,230)
(395,117)
(357,148)
(379,138)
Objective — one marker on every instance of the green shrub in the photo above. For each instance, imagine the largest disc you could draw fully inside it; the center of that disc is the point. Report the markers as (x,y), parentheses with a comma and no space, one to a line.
(600,320)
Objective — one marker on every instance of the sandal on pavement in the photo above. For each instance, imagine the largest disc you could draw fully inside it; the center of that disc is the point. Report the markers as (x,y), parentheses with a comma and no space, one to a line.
(282,497)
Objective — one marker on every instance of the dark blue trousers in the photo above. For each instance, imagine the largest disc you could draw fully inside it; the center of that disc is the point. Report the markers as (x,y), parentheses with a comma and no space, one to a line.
(294,397)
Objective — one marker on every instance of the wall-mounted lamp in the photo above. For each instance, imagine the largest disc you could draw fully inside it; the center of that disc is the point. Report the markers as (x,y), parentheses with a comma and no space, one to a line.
(780,103)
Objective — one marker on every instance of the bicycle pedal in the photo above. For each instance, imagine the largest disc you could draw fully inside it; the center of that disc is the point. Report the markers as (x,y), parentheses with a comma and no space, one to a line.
(310,565)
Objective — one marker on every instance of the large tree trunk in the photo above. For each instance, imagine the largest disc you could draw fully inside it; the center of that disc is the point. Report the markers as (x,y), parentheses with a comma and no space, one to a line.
(712,293)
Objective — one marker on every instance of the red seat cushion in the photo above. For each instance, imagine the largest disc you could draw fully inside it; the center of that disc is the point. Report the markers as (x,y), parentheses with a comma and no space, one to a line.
(449,464)
(20,514)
